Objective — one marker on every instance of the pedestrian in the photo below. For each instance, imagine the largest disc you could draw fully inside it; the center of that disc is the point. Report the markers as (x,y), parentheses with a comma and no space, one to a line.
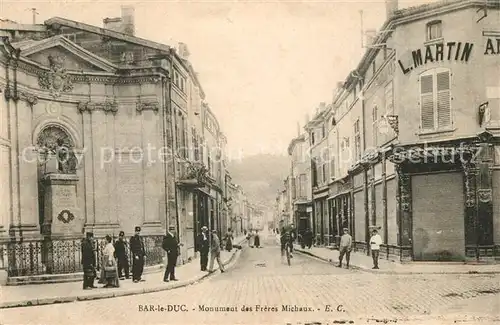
(171,246)
(375,242)
(249,239)
(345,247)
(229,240)
(256,240)
(308,238)
(121,256)
(215,252)
(203,246)
(109,265)
(138,253)
(88,262)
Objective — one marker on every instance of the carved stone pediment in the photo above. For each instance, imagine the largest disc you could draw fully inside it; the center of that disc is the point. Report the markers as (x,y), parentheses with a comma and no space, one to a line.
(76,57)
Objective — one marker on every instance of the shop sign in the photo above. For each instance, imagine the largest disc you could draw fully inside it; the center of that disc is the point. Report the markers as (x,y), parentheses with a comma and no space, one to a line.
(449,51)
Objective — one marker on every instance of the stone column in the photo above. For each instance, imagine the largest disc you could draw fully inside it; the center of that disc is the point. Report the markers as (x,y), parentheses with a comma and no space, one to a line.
(88,164)
(152,223)
(404,212)
(28,174)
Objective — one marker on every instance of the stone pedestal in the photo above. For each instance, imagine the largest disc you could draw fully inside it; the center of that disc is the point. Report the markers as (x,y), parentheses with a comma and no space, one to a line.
(62,217)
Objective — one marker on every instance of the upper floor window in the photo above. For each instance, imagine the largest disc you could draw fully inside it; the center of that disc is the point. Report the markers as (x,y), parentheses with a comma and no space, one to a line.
(435,99)
(434,30)
(312,138)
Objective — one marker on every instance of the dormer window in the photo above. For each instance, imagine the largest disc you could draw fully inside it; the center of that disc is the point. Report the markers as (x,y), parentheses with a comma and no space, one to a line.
(434,30)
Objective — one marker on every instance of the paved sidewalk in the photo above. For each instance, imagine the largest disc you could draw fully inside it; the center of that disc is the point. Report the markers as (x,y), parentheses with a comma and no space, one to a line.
(364,262)
(43,294)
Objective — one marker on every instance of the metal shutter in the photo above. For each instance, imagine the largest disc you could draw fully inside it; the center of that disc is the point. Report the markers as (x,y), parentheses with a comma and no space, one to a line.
(438,217)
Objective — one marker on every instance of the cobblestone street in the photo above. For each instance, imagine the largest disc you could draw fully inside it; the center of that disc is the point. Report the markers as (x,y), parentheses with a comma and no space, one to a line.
(260,278)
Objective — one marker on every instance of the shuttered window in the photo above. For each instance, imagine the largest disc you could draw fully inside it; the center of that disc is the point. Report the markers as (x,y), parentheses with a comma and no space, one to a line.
(435,99)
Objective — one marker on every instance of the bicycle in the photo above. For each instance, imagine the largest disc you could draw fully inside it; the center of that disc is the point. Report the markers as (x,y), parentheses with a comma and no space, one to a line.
(288,253)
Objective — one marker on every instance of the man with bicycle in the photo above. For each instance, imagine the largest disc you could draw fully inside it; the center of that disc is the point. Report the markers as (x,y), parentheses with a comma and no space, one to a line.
(287,237)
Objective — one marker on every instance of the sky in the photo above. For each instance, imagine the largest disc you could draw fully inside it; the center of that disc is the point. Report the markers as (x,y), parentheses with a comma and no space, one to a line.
(264,65)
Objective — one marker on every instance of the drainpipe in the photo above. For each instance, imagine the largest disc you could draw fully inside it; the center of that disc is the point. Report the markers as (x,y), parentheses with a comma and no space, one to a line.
(173,126)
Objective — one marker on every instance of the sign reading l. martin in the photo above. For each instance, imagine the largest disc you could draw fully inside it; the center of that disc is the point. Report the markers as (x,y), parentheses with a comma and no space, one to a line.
(451,51)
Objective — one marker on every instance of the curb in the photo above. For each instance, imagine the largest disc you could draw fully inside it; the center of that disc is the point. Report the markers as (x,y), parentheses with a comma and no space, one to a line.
(65,278)
(365,269)
(105,295)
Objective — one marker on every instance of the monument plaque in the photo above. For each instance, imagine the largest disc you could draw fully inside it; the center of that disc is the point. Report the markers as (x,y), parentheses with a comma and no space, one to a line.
(61,216)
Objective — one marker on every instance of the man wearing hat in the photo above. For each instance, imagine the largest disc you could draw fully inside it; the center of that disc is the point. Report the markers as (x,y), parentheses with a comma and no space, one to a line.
(138,254)
(215,252)
(203,246)
(345,247)
(121,256)
(171,246)
(88,261)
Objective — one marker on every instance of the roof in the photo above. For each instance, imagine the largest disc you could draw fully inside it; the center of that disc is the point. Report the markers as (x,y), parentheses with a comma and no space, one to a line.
(106,32)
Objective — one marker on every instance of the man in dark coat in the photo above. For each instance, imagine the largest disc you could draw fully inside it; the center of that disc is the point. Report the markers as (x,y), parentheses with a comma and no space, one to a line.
(203,246)
(171,246)
(138,253)
(88,262)
(121,256)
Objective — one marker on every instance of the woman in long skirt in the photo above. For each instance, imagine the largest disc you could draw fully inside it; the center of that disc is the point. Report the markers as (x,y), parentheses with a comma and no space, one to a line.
(109,265)
(229,240)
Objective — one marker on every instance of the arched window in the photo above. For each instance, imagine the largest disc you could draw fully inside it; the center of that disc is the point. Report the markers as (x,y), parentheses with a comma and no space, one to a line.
(435,99)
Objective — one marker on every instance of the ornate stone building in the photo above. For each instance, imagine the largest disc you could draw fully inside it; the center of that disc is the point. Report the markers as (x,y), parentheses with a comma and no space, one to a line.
(99,131)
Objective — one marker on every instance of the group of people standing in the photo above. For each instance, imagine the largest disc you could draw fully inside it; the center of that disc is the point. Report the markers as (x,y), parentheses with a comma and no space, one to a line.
(345,247)
(253,239)
(114,263)
(114,260)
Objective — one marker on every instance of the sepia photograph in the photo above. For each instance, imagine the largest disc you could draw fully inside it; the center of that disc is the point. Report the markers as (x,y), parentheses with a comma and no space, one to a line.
(249,162)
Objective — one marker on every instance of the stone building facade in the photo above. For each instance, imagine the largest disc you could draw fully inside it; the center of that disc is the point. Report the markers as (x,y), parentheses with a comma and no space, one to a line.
(414,136)
(100,131)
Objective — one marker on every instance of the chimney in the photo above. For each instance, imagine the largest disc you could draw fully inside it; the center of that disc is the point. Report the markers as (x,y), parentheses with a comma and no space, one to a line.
(183,50)
(128,24)
(371,35)
(391,6)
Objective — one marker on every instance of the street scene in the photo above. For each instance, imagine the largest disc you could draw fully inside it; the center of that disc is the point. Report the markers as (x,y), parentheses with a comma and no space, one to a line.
(315,292)
(250,162)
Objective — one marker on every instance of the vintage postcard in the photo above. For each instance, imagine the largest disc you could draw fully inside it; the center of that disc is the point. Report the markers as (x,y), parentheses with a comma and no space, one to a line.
(267,162)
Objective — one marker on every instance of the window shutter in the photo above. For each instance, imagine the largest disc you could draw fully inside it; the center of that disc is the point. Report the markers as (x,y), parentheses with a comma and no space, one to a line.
(443,99)
(427,102)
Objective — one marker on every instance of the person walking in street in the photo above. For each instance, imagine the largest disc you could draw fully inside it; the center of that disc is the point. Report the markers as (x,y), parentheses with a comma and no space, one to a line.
(256,240)
(109,265)
(345,247)
(121,256)
(203,246)
(138,253)
(171,246)
(88,262)
(229,240)
(375,242)
(308,238)
(215,252)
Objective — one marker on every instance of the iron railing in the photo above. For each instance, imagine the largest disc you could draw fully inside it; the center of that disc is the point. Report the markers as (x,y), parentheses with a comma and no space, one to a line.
(61,256)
